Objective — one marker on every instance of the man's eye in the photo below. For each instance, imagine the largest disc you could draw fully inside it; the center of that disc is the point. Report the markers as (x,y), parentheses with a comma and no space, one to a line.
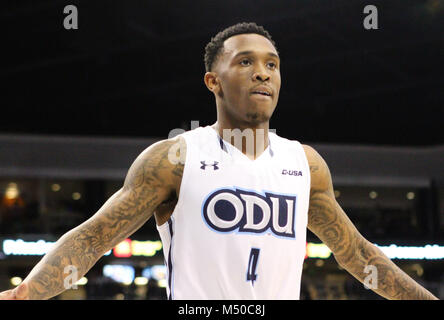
(272,65)
(245,62)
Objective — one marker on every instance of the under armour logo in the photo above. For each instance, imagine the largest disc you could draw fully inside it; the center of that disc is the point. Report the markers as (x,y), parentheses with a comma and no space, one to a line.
(214,165)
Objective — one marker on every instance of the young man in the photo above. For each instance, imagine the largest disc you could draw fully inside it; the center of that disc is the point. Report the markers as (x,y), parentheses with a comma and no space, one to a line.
(232,201)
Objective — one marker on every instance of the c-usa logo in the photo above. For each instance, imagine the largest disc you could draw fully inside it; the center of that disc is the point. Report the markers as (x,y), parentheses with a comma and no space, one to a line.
(243,211)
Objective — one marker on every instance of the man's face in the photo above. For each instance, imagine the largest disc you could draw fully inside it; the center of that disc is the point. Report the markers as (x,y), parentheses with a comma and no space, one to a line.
(249,78)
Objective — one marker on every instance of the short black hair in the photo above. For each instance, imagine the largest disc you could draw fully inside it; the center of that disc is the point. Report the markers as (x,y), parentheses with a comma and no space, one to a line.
(213,48)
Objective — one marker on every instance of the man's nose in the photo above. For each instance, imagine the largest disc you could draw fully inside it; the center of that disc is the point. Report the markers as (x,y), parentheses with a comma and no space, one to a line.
(261,75)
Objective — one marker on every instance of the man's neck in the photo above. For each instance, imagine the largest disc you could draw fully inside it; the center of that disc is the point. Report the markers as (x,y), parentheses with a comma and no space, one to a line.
(250,140)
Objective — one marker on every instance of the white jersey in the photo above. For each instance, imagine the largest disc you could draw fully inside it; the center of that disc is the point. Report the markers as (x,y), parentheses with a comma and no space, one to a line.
(238,230)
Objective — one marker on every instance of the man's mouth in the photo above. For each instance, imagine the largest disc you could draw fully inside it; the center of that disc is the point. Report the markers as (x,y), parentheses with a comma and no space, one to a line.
(262,90)
(262,93)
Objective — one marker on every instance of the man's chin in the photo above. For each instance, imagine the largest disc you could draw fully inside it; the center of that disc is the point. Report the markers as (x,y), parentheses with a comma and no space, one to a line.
(255,118)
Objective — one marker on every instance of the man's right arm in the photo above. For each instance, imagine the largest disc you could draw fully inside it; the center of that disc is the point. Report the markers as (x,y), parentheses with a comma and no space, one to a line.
(152,179)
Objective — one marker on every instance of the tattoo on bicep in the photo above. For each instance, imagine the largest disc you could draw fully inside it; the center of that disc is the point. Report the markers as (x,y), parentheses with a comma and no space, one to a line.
(149,183)
(137,176)
(314,168)
(178,170)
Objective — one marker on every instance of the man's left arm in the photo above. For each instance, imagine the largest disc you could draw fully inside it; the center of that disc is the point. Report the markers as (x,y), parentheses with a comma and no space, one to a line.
(352,251)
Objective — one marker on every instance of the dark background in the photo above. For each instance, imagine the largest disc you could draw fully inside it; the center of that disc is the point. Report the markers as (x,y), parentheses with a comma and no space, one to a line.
(135,68)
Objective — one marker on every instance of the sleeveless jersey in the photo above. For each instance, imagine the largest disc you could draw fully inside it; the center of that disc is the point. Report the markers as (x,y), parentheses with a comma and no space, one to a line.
(238,230)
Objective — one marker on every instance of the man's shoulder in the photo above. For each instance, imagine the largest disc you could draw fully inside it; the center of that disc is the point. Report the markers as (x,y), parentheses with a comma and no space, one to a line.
(310,152)
(166,149)
(320,173)
(161,161)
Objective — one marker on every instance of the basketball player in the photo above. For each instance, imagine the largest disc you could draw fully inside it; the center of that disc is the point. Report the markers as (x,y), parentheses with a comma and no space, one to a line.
(232,218)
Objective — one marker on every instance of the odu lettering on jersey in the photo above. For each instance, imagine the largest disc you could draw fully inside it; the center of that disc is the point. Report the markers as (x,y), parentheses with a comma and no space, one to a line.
(226,210)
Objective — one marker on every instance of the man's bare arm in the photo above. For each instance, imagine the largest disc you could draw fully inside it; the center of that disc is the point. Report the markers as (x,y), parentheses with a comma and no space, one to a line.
(351,250)
(151,180)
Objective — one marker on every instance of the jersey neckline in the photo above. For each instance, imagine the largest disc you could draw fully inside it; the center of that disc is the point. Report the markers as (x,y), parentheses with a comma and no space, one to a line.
(233,151)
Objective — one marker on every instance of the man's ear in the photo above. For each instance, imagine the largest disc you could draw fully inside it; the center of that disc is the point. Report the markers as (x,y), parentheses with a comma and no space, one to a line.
(212,82)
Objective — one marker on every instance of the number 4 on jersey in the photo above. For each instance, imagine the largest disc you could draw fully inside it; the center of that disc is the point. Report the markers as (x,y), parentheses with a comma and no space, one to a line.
(252,265)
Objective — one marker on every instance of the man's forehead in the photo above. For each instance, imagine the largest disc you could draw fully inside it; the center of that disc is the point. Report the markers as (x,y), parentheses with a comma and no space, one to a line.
(247,42)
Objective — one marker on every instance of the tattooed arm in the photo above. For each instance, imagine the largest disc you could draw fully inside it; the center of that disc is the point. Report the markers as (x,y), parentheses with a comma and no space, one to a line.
(351,250)
(152,179)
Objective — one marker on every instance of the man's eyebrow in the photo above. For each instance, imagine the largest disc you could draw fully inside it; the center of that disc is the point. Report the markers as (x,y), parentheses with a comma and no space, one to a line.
(271,54)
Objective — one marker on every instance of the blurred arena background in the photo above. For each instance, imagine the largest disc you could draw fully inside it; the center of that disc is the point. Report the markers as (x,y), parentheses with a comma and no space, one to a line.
(78,106)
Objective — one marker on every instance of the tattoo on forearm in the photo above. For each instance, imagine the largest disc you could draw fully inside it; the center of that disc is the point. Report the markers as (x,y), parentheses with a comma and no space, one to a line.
(354,253)
(393,283)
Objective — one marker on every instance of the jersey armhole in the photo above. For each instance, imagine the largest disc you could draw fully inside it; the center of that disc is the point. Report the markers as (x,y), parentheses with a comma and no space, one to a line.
(307,167)
(183,181)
